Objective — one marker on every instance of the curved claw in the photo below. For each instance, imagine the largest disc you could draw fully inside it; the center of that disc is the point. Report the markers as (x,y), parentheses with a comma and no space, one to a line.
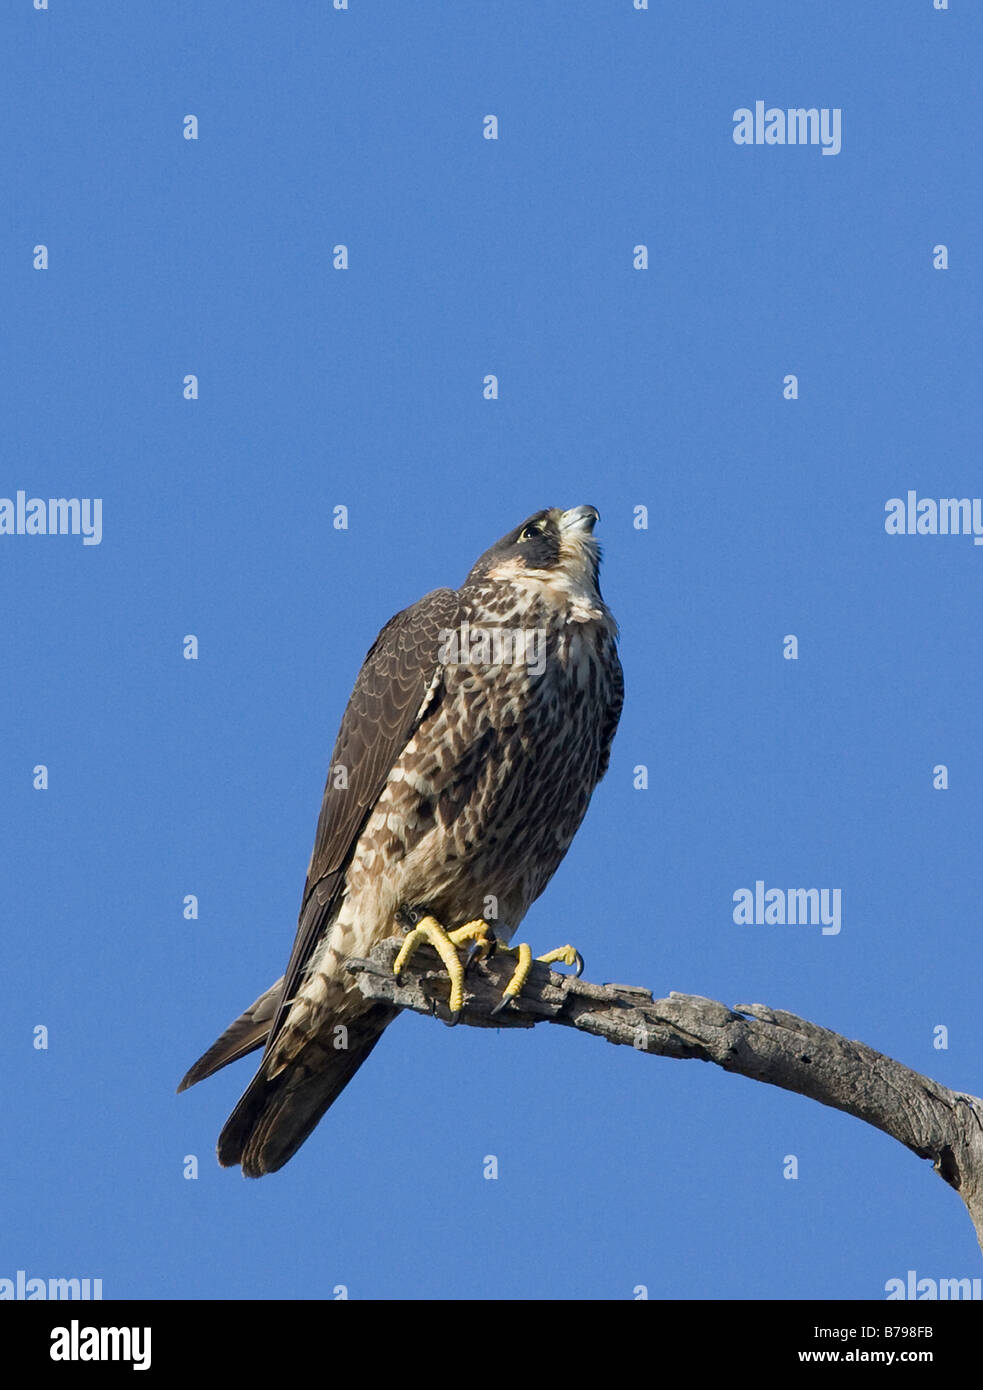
(475,952)
(502,1005)
(453,1020)
(579,966)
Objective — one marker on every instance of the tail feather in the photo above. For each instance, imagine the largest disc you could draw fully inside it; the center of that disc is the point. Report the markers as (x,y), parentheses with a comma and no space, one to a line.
(276,1114)
(245,1035)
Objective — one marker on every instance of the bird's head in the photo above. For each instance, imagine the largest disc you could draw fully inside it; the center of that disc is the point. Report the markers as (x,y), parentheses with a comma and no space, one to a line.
(553,546)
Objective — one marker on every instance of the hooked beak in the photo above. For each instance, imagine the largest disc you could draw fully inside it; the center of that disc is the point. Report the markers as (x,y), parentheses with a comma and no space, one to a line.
(582,519)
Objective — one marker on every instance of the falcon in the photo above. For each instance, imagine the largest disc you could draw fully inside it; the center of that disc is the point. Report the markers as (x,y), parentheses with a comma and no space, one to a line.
(479,725)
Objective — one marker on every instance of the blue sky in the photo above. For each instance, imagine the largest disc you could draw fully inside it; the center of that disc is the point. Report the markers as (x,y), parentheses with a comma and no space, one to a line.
(363,388)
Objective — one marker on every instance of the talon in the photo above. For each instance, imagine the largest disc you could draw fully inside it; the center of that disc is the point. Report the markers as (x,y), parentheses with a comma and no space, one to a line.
(482,944)
(480,937)
(519,975)
(568,955)
(445,943)
(430,930)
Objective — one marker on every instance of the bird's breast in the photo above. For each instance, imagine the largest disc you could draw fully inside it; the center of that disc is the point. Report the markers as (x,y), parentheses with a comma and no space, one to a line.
(488,793)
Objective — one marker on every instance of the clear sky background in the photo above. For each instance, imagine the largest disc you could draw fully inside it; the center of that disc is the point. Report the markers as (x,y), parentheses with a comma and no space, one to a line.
(619,387)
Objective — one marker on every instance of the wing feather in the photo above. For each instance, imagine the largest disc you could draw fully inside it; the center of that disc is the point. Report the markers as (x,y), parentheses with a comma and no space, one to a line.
(398,682)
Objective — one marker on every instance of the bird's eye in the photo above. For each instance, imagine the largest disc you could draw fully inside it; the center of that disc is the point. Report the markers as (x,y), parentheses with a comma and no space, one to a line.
(530,532)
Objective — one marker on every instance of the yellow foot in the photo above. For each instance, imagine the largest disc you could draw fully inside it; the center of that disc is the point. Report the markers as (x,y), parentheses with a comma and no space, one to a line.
(567,954)
(445,944)
(483,944)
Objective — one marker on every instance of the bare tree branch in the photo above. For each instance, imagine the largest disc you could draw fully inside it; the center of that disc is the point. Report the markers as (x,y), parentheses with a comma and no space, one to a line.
(764,1044)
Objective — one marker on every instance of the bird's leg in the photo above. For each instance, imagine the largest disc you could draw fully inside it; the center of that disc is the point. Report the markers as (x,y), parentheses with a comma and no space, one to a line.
(569,955)
(445,943)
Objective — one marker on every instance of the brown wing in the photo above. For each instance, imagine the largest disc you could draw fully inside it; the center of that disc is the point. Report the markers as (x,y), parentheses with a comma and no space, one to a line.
(399,679)
(612,714)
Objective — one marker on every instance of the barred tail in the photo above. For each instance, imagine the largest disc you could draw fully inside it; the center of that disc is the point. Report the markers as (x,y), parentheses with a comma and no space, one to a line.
(277,1113)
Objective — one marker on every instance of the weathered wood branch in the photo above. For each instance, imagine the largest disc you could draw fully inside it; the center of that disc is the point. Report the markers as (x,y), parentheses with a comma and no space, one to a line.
(764,1044)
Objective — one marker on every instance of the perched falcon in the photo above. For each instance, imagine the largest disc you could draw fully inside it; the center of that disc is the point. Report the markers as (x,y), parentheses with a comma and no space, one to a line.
(480,723)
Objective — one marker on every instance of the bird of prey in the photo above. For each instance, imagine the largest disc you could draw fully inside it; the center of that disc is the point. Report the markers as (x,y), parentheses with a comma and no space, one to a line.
(479,725)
